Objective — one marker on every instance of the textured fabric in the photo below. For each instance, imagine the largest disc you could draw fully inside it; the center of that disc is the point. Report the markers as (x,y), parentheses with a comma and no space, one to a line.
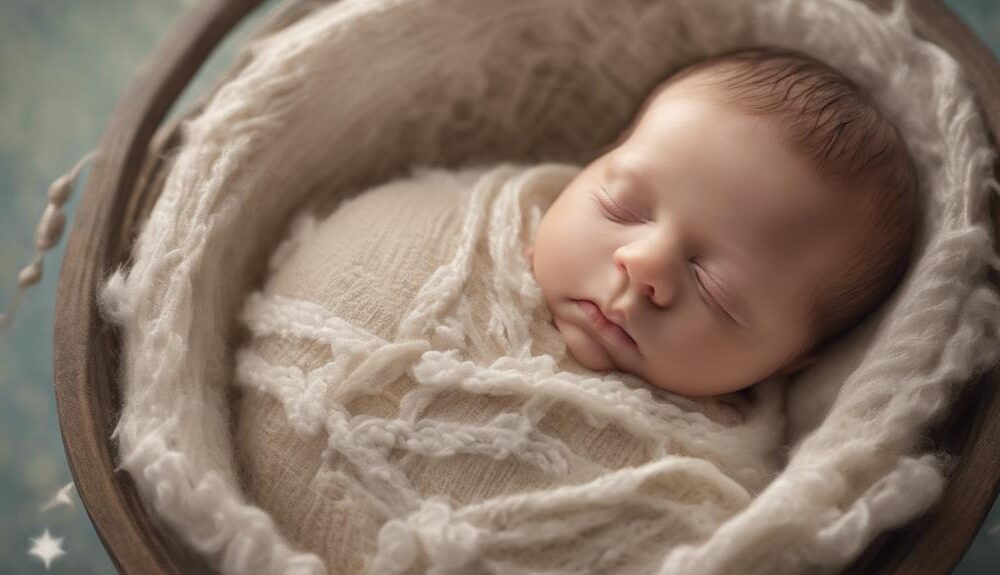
(403,368)
(356,93)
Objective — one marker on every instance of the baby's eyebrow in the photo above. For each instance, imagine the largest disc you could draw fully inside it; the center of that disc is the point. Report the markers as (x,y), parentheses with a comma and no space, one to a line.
(772,237)
(619,168)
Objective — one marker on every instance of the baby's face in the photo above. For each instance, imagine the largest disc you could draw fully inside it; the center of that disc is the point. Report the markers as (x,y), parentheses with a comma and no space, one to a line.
(703,237)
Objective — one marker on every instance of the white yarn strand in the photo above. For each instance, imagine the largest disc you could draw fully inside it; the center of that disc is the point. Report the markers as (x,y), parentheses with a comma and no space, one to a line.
(47,234)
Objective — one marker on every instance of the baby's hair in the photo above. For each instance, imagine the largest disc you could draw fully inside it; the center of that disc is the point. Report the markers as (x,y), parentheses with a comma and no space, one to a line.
(853,146)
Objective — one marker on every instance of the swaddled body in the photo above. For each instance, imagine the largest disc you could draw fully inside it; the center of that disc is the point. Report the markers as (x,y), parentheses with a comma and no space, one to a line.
(407,400)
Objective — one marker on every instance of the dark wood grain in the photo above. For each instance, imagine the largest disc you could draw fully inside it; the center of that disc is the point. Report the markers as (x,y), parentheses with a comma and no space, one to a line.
(126,180)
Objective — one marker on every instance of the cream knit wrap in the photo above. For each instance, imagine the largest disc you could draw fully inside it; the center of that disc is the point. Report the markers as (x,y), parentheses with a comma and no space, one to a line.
(410,396)
(356,93)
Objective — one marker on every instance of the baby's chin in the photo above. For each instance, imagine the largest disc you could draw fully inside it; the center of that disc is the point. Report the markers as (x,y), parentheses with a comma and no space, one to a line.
(583,349)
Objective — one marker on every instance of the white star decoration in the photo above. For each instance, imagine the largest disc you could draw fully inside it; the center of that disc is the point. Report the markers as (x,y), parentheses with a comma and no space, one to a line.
(47,548)
(60,498)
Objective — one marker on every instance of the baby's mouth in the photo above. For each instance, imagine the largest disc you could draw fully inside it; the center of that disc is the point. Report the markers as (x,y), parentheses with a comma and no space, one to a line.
(607,328)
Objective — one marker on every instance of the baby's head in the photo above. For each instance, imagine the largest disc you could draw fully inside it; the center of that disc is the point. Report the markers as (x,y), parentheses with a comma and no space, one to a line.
(759,206)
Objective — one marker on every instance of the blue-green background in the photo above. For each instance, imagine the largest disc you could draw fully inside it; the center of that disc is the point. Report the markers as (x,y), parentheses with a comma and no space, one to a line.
(63,66)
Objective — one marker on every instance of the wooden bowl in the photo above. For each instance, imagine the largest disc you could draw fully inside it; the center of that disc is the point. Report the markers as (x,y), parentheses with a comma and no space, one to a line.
(127,177)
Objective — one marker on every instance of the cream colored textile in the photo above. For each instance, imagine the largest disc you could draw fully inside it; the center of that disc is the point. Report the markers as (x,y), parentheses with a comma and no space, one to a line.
(406,394)
(358,91)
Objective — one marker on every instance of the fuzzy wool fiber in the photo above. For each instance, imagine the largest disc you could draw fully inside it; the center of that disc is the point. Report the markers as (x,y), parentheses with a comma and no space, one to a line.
(354,94)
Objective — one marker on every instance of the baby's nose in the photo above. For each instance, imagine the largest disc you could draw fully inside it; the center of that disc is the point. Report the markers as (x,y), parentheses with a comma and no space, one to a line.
(656,276)
(658,288)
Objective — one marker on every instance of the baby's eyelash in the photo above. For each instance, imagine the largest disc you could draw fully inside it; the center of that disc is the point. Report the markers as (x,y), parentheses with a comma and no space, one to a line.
(614,216)
(714,304)
(609,211)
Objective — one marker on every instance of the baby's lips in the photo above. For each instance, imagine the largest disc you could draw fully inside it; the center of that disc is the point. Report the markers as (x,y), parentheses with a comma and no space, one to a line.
(617,317)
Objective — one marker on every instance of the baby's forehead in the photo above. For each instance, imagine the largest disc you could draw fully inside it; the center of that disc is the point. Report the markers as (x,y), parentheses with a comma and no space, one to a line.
(693,81)
(788,198)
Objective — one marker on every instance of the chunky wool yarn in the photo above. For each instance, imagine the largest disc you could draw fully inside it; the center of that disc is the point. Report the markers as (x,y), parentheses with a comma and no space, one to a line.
(355,94)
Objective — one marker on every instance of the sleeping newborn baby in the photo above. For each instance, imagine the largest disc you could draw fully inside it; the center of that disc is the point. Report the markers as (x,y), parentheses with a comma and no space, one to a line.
(521,369)
(759,206)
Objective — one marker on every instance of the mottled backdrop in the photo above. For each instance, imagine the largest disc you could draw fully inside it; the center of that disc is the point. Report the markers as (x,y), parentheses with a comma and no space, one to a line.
(63,65)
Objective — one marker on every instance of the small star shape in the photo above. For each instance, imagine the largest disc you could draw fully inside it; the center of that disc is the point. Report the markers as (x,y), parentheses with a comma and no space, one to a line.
(60,498)
(47,548)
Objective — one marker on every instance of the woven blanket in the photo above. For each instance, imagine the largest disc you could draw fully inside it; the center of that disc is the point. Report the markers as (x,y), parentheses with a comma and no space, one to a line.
(409,403)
